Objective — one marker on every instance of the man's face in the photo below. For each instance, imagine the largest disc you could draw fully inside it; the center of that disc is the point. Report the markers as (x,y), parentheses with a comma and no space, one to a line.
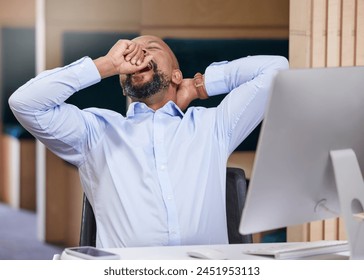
(152,79)
(139,87)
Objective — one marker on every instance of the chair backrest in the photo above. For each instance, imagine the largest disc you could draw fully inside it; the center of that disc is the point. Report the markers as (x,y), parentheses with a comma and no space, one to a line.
(236,188)
(88,224)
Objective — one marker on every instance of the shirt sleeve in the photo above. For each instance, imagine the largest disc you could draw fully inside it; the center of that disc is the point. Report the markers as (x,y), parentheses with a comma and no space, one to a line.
(39,105)
(248,82)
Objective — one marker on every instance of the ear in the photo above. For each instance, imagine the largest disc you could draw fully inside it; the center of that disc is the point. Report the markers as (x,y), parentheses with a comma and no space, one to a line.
(177,76)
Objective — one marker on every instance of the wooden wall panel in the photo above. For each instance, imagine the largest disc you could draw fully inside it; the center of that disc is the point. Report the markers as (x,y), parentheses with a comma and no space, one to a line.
(198,32)
(87,15)
(319,33)
(300,33)
(55,224)
(18,173)
(214,13)
(359,33)
(215,18)
(333,32)
(10,172)
(348,33)
(17,13)
(73,206)
(27,175)
(94,14)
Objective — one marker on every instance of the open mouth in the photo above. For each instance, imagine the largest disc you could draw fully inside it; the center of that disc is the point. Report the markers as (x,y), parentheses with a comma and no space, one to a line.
(146,69)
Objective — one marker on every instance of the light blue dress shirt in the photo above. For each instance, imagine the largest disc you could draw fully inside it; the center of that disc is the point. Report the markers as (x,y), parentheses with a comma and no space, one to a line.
(153,177)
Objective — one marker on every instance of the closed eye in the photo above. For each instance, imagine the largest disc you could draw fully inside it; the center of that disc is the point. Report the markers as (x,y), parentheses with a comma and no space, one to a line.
(153,48)
(153,45)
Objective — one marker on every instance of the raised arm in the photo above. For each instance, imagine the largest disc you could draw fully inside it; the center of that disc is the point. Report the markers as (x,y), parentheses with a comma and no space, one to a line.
(40,106)
(248,81)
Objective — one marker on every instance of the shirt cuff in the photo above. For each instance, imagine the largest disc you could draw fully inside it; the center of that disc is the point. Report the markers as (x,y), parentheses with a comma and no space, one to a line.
(215,78)
(86,72)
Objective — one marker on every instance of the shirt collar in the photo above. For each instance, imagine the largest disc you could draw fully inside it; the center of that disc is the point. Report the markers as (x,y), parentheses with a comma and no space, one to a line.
(170,108)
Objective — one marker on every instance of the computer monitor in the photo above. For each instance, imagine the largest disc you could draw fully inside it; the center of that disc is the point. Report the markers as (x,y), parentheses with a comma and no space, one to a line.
(311,115)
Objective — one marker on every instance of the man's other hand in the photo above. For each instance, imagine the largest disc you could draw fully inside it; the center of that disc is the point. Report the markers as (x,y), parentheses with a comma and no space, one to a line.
(186,93)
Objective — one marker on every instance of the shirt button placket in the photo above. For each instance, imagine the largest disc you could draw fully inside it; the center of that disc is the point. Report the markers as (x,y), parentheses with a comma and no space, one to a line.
(164,181)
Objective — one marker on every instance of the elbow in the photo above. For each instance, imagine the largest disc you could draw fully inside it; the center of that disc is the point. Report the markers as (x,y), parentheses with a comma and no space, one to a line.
(282,63)
(14,101)
(18,103)
(274,64)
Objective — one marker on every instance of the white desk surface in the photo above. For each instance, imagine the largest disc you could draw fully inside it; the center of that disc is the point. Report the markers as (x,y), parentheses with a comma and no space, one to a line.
(233,252)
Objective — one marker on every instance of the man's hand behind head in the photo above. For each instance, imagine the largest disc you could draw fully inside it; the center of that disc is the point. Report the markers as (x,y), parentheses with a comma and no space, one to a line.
(186,93)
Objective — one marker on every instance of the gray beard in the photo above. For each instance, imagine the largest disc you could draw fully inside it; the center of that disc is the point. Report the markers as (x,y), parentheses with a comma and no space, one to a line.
(143,91)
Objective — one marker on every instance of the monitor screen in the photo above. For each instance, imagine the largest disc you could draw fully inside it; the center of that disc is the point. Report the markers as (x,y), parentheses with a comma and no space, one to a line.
(310,113)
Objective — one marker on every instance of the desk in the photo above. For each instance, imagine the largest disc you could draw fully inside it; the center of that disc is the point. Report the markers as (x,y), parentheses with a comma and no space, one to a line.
(233,252)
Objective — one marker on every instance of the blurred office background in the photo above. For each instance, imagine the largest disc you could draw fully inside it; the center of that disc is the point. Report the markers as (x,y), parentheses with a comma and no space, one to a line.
(42,34)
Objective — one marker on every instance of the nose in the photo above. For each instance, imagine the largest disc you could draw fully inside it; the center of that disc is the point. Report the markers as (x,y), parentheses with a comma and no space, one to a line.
(145,52)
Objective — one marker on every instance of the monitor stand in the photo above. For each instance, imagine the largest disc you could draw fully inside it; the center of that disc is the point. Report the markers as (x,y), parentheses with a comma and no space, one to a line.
(350,188)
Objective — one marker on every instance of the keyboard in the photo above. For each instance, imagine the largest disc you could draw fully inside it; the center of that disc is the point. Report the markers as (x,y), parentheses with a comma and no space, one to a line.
(296,250)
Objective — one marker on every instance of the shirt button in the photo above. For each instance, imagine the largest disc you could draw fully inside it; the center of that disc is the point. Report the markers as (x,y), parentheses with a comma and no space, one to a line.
(169,197)
(163,167)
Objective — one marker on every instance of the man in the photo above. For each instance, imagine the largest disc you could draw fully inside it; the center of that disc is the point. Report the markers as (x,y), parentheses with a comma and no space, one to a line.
(157,176)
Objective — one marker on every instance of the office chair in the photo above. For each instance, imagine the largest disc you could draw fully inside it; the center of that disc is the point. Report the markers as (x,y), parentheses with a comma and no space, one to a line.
(88,224)
(236,188)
